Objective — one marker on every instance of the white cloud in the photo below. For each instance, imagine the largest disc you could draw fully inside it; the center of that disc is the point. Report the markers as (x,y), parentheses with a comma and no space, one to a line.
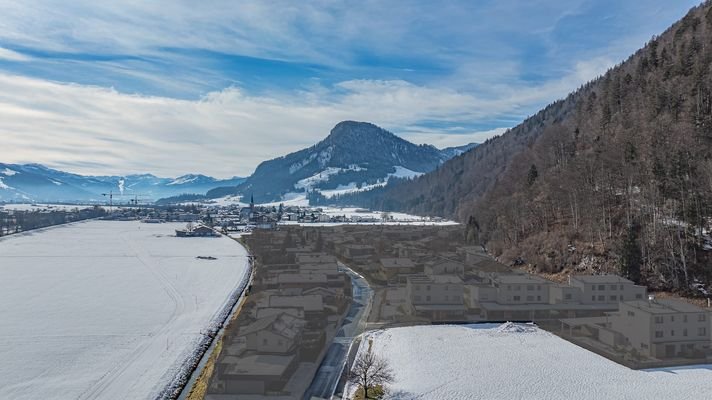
(10,55)
(441,140)
(89,129)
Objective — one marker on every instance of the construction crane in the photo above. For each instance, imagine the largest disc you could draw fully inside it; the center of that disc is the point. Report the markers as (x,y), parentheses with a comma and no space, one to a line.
(111,199)
(135,201)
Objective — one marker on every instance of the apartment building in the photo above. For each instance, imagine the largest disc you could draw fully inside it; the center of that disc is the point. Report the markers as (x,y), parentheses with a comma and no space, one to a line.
(437,297)
(663,328)
(521,289)
(601,289)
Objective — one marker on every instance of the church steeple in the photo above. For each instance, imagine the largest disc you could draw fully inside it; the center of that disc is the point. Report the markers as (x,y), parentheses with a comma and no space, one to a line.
(252,202)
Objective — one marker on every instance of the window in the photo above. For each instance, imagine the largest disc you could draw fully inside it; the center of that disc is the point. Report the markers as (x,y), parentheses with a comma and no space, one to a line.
(672,332)
(446,287)
(643,346)
(538,287)
(538,298)
(264,342)
(614,298)
(684,332)
(701,317)
(701,332)
(684,318)
(447,298)
(593,298)
(417,298)
(530,287)
(621,288)
(530,298)
(455,298)
(631,314)
(593,287)
(427,288)
(280,342)
(638,296)
(659,320)
(672,318)
(567,296)
(658,334)
(613,287)
(517,298)
(601,287)
(417,288)
(517,288)
(601,298)
(427,298)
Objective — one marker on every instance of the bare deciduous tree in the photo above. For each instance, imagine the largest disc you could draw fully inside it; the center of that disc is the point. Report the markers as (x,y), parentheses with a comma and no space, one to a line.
(369,371)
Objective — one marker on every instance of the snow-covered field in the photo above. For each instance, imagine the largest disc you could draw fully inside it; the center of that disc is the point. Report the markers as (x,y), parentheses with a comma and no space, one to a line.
(39,207)
(373,218)
(106,309)
(519,362)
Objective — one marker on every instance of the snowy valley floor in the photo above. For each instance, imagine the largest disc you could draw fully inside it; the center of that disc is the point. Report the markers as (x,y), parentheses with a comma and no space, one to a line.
(107,310)
(519,362)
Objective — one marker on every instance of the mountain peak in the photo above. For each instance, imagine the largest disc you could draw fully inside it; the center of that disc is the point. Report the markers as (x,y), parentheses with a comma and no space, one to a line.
(356,130)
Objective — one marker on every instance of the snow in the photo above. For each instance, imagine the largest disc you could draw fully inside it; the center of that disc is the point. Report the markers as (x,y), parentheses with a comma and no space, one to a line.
(323,176)
(183,180)
(403,172)
(3,185)
(108,310)
(8,172)
(351,212)
(400,172)
(222,201)
(299,165)
(518,362)
(41,207)
(290,199)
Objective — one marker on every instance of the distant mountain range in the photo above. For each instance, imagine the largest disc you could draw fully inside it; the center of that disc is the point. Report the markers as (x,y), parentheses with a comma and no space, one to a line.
(355,156)
(35,182)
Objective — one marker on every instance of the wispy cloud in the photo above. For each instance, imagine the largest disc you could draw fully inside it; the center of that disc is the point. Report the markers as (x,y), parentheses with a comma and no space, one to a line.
(228,132)
(175,87)
(10,55)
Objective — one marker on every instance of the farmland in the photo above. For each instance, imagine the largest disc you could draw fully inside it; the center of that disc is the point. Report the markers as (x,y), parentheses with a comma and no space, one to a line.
(106,309)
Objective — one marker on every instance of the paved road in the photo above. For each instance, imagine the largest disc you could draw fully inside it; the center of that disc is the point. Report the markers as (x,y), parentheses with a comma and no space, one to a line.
(327,376)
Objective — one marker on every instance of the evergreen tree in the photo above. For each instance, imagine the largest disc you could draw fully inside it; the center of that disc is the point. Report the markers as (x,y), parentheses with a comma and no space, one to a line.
(631,256)
(532,175)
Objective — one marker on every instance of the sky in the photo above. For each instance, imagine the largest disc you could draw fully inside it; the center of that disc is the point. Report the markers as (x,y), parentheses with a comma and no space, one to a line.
(176,87)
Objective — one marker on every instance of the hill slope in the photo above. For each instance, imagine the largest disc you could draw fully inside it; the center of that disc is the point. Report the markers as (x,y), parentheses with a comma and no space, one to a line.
(616,177)
(354,155)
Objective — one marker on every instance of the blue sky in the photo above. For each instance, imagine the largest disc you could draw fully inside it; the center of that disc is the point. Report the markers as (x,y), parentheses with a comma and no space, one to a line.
(176,87)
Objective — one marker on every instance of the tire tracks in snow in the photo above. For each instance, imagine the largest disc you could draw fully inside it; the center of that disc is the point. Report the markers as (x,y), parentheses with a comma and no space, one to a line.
(115,373)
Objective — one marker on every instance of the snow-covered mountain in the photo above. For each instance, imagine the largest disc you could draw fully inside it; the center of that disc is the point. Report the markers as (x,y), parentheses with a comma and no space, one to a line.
(355,156)
(35,182)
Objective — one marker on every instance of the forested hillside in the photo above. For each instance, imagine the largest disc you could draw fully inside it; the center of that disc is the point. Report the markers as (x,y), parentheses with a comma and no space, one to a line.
(616,177)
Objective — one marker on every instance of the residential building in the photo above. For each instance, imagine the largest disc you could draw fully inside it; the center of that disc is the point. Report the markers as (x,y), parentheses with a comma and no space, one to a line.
(437,297)
(601,289)
(663,328)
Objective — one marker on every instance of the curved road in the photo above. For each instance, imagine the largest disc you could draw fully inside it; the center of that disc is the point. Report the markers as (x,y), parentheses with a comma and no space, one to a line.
(327,376)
